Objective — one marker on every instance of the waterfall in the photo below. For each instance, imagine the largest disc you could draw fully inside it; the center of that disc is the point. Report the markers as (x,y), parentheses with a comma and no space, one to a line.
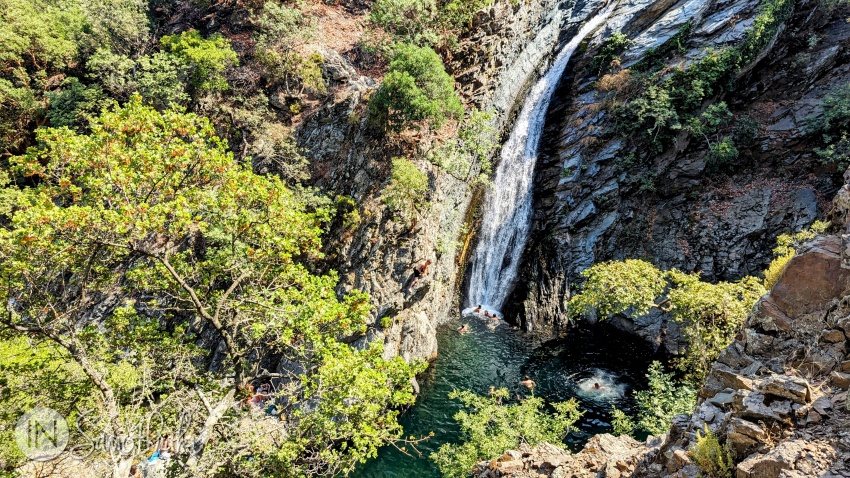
(507,205)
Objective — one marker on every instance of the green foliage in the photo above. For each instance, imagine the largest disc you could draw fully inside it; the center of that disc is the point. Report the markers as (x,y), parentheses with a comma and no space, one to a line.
(787,246)
(774,271)
(622,423)
(788,243)
(38,39)
(347,209)
(119,25)
(670,100)
(75,103)
(426,22)
(387,322)
(834,126)
(722,154)
(710,314)
(609,51)
(405,194)
(207,59)
(467,156)
(713,459)
(615,287)
(187,239)
(658,404)
(489,427)
(415,89)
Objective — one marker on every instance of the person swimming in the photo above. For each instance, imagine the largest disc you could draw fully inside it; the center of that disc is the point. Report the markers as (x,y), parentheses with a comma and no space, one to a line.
(463,329)
(477,309)
(528,383)
(487,314)
(596,386)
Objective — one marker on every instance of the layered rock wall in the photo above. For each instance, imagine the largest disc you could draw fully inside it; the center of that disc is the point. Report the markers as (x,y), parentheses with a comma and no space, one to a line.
(590,205)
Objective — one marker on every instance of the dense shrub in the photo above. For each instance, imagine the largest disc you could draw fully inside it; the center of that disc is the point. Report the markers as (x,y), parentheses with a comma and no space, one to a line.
(489,427)
(709,314)
(834,126)
(207,59)
(609,51)
(416,89)
(426,22)
(713,458)
(408,185)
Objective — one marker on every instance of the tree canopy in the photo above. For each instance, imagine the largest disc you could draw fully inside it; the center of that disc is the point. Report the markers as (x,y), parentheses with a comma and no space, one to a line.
(165,277)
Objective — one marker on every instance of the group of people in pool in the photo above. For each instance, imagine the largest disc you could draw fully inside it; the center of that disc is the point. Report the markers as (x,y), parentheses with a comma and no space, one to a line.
(493,319)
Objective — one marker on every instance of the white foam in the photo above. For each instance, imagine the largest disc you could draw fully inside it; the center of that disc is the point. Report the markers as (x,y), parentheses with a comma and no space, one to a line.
(610,388)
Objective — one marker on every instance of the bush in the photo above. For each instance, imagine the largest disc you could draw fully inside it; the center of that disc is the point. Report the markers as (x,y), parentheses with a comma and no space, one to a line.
(488,428)
(622,423)
(407,188)
(665,398)
(467,157)
(610,50)
(207,59)
(722,154)
(834,126)
(776,268)
(709,314)
(75,103)
(415,89)
(712,458)
(426,22)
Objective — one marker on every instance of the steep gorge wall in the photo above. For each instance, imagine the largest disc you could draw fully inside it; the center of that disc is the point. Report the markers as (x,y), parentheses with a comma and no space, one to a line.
(590,206)
(507,49)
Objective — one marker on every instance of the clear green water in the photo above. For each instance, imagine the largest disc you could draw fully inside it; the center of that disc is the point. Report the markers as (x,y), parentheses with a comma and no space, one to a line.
(501,357)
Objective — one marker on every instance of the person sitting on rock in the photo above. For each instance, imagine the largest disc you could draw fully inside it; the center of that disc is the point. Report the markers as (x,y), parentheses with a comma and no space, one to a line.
(528,383)
(418,274)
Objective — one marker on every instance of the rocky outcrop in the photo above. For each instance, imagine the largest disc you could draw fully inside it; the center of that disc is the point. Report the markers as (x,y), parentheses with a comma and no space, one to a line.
(777,397)
(603,456)
(592,205)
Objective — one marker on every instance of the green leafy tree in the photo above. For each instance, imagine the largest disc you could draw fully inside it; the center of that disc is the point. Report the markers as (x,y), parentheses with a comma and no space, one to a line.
(207,58)
(710,314)
(144,236)
(406,192)
(415,89)
(617,286)
(662,400)
(488,428)
(38,39)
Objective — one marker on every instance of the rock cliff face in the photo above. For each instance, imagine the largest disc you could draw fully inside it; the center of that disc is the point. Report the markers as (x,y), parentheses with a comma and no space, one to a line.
(508,48)
(677,212)
(777,396)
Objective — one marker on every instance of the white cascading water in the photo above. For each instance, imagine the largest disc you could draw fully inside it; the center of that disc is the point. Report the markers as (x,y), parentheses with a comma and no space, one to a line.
(507,206)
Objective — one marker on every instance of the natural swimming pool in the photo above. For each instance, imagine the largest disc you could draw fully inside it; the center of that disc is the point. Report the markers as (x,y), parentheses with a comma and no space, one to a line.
(482,358)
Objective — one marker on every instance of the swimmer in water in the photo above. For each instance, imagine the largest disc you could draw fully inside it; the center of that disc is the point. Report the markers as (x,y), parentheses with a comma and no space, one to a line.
(477,309)
(596,386)
(487,314)
(463,329)
(528,383)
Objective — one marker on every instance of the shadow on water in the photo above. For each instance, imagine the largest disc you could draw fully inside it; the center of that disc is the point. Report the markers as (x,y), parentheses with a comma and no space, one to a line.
(567,368)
